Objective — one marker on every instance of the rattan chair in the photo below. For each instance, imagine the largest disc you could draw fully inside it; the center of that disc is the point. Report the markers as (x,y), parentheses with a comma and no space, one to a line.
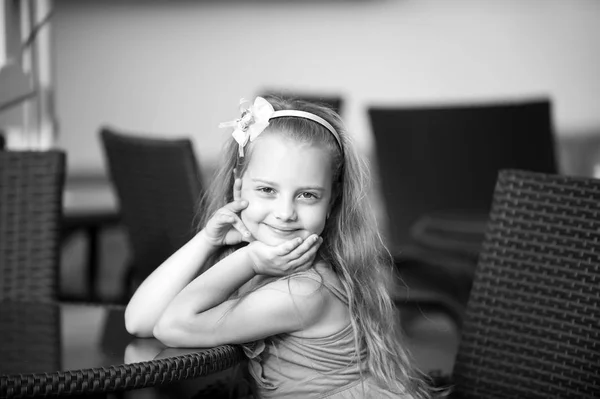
(532,323)
(437,166)
(158,185)
(31,186)
(29,331)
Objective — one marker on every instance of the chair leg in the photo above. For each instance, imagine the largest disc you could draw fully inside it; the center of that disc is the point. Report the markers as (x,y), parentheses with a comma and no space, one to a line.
(129,285)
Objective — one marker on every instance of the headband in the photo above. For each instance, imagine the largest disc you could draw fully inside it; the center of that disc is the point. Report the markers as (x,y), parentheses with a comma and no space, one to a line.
(256,118)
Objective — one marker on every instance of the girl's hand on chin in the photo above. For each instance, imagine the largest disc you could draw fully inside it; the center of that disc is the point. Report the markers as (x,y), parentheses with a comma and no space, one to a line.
(292,256)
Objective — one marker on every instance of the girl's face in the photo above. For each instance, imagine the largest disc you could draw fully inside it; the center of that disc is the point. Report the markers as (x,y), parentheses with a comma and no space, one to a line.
(288,187)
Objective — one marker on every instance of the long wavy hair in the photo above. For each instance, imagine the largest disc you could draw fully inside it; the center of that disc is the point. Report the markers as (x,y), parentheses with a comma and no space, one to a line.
(352,244)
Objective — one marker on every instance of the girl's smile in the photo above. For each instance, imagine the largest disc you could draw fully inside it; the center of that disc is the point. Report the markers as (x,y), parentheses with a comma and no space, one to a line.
(288,186)
(282,230)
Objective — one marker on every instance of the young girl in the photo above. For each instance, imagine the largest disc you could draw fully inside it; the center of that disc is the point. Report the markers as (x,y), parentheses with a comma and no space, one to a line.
(289,259)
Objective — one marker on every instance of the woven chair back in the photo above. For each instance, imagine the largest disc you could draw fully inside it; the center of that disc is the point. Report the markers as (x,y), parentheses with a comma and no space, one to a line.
(29,331)
(158,184)
(31,187)
(532,324)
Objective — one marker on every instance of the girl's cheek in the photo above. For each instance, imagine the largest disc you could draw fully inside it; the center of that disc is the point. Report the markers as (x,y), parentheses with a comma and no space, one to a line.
(244,194)
(246,213)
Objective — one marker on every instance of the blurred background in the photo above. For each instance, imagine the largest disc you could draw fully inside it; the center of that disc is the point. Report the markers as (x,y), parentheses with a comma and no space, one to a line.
(178,69)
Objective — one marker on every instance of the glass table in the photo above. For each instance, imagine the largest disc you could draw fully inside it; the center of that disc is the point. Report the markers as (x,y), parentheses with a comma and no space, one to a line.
(75,349)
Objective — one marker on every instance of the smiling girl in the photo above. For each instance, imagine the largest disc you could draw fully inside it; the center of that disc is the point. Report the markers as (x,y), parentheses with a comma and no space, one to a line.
(288,261)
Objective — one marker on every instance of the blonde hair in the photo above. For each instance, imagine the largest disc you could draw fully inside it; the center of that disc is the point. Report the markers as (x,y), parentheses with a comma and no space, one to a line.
(352,244)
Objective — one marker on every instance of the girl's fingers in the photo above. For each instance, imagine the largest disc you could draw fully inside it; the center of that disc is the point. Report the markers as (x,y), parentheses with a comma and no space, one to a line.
(236,206)
(297,247)
(241,227)
(307,258)
(237,189)
(236,222)
(228,217)
(309,243)
(288,246)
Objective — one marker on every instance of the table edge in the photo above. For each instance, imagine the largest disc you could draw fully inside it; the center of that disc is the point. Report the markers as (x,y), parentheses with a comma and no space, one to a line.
(122,377)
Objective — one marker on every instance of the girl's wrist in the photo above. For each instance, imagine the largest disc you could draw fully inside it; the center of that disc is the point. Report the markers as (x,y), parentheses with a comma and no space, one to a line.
(208,243)
(252,259)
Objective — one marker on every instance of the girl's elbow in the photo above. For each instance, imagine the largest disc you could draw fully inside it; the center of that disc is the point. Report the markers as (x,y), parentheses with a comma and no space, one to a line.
(137,326)
(165,330)
(161,333)
(137,330)
(175,334)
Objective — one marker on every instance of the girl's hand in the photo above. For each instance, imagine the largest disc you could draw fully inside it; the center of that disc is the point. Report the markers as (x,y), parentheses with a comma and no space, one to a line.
(226,227)
(292,256)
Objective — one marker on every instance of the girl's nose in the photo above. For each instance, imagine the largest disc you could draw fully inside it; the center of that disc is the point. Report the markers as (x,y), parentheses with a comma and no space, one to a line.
(286,210)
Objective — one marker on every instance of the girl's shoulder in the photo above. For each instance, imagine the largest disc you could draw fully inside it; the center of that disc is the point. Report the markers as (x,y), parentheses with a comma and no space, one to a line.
(317,282)
(307,282)
(304,282)
(301,297)
(319,275)
(328,292)
(322,280)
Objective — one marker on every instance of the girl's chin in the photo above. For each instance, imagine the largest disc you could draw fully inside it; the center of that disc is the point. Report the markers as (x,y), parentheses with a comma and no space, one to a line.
(273,242)
(274,239)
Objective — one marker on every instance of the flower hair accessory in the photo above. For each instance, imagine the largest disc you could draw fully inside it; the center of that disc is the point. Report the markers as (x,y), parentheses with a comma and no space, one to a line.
(256,118)
(253,121)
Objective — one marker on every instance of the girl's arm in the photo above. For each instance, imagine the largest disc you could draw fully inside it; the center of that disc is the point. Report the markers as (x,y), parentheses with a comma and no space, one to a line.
(155,293)
(202,315)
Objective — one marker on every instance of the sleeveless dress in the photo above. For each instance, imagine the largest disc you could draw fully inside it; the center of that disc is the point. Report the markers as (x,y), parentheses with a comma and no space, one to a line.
(287,366)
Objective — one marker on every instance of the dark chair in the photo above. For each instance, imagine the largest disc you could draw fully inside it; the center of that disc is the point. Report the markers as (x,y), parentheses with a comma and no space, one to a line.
(332,101)
(437,167)
(531,327)
(29,331)
(31,187)
(158,185)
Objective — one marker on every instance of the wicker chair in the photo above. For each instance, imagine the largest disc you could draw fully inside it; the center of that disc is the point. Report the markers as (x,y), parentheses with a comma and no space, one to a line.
(29,331)
(31,186)
(437,166)
(531,326)
(158,184)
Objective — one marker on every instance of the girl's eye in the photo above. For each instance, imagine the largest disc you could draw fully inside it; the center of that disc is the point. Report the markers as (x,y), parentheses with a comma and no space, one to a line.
(266,190)
(307,195)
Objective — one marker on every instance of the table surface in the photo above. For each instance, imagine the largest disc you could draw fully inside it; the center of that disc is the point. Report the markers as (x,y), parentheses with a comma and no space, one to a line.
(49,349)
(91,195)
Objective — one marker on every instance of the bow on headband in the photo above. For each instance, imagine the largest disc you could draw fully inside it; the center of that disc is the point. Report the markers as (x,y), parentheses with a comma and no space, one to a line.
(253,121)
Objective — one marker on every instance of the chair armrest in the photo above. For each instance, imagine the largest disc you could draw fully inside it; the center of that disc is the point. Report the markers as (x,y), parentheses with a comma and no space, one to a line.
(459,233)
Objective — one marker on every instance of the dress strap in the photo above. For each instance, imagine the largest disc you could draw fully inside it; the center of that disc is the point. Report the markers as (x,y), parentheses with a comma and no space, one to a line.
(335,290)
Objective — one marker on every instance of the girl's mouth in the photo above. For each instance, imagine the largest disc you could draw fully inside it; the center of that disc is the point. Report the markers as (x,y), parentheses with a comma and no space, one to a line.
(282,230)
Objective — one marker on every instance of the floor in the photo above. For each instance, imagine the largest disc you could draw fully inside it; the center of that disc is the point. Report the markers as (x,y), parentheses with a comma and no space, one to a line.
(432,337)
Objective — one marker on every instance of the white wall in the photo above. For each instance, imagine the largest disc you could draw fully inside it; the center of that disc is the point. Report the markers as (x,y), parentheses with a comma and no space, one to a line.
(180,67)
